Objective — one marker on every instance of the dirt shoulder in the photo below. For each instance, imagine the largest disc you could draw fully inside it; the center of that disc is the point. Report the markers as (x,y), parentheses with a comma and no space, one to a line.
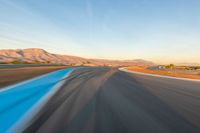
(164,73)
(10,76)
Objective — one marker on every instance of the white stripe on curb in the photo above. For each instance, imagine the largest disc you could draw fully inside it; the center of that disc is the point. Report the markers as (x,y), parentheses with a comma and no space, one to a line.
(156,75)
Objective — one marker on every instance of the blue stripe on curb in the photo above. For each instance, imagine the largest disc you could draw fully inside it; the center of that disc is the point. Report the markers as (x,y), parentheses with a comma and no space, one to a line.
(16,101)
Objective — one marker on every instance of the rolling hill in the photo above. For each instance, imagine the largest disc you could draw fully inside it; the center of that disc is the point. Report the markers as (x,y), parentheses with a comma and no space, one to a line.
(40,56)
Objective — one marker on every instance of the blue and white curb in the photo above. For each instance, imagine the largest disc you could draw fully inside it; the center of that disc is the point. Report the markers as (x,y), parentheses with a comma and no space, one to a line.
(21,102)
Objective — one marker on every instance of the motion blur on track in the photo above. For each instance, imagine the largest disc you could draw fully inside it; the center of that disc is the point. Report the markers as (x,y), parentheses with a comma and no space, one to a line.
(106,100)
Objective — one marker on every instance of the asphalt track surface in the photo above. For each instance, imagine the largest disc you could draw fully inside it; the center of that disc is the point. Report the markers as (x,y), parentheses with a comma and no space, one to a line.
(106,100)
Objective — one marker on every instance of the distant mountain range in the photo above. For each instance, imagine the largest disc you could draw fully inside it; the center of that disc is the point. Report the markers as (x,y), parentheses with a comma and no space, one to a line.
(38,56)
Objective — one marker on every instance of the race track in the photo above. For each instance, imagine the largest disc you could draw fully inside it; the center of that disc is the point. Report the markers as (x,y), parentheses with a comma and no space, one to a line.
(106,100)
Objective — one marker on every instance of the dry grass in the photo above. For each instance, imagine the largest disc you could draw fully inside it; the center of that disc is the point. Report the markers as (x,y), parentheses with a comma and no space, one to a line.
(159,72)
(10,76)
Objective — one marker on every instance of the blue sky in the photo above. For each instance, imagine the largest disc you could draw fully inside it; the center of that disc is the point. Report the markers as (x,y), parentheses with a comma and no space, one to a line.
(163,31)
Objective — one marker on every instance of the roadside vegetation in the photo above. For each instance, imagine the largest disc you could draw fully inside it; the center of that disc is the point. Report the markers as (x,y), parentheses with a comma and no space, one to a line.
(32,63)
(172,66)
(19,62)
(194,68)
(23,62)
(3,63)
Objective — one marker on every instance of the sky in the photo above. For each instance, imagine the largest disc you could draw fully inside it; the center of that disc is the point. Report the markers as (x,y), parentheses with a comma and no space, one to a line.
(163,31)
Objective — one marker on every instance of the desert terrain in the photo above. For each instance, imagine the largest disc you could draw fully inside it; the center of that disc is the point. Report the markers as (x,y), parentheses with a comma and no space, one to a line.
(181,74)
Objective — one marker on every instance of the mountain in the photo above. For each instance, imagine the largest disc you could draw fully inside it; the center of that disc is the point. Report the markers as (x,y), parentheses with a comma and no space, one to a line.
(137,62)
(36,55)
